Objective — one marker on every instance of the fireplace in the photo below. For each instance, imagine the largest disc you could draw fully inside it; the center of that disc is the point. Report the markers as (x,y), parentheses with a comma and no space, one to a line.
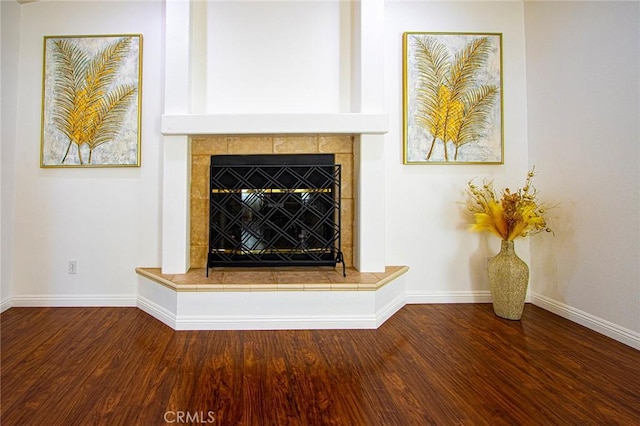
(349,121)
(274,210)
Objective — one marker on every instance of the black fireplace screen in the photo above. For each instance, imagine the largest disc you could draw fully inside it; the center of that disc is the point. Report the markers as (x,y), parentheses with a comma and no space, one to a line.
(274,210)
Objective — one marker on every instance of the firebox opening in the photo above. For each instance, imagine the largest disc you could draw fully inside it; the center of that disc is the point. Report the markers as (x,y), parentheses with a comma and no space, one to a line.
(274,210)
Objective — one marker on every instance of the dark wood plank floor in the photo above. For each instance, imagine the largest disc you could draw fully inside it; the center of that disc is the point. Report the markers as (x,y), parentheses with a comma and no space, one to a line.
(429,364)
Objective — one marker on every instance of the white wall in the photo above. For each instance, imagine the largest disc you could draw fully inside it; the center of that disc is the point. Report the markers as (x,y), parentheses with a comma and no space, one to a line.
(425,225)
(107,219)
(583,74)
(10,15)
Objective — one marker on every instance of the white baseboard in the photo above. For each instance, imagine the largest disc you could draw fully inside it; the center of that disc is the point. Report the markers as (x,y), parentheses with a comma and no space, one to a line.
(389,310)
(480,296)
(253,322)
(157,311)
(616,332)
(74,300)
(268,322)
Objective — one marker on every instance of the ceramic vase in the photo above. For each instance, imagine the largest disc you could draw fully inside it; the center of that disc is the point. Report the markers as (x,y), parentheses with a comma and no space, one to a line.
(508,280)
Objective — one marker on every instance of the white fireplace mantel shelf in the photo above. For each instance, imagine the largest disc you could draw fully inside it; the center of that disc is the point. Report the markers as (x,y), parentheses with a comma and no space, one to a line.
(277,123)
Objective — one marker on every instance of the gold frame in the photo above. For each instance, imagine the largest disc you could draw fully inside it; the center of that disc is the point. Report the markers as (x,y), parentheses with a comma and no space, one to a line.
(91,101)
(452,98)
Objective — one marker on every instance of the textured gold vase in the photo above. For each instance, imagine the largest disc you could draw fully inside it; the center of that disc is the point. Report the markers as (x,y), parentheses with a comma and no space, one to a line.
(508,280)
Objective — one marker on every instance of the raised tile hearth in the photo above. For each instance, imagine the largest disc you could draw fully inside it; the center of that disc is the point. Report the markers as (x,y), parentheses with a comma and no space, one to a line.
(274,279)
(272,298)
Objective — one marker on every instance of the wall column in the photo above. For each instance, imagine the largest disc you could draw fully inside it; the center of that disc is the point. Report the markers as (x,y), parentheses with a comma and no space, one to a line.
(176,153)
(368,96)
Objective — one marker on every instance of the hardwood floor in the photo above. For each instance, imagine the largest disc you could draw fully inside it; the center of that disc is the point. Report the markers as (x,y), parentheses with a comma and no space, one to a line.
(429,364)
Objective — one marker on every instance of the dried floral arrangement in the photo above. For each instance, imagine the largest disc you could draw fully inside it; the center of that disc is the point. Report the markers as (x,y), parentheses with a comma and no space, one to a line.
(516,214)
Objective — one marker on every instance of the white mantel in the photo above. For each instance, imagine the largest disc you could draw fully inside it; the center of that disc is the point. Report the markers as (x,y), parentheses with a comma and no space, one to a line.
(278,123)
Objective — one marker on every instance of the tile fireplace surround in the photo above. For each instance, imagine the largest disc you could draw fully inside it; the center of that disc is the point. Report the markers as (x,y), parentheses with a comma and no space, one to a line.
(202,148)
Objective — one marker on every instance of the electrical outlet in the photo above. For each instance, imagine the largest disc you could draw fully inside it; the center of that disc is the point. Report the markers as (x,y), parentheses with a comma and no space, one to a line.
(73,267)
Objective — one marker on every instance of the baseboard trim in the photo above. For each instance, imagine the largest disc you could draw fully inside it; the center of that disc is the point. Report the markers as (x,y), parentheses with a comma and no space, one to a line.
(609,329)
(263,322)
(6,304)
(268,322)
(75,300)
(480,296)
(389,310)
(274,323)
(158,312)
(614,331)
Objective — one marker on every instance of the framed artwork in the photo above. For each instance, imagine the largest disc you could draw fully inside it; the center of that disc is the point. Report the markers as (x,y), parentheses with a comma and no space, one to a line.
(452,98)
(91,90)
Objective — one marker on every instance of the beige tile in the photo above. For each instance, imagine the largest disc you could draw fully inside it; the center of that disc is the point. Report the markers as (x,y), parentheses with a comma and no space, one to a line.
(235,269)
(347,207)
(250,144)
(337,144)
(203,147)
(347,254)
(347,239)
(199,222)
(237,287)
(187,287)
(346,230)
(353,277)
(198,257)
(209,145)
(193,276)
(254,277)
(263,279)
(392,270)
(317,286)
(215,277)
(290,287)
(295,144)
(210,287)
(263,287)
(158,272)
(354,176)
(301,269)
(368,286)
(347,216)
(346,174)
(200,169)
(299,277)
(200,209)
(346,286)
